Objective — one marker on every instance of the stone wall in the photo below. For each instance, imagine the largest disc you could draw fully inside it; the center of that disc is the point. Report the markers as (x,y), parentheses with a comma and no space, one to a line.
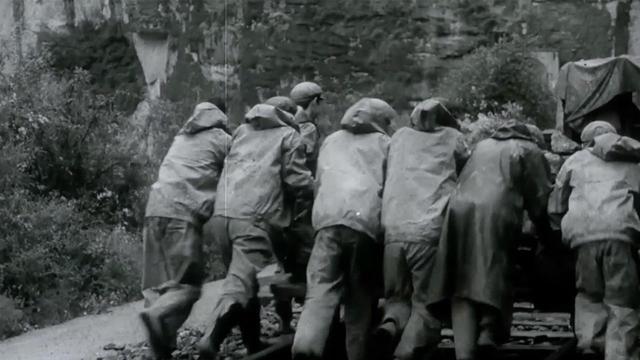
(252,49)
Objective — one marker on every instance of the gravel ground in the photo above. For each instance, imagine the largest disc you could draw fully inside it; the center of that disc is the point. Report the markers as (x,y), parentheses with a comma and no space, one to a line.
(231,349)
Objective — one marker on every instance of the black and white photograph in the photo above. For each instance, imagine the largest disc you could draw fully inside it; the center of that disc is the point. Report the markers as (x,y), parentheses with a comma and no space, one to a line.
(320,179)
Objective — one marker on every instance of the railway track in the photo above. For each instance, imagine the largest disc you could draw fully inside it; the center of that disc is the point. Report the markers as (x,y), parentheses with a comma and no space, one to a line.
(281,349)
(534,336)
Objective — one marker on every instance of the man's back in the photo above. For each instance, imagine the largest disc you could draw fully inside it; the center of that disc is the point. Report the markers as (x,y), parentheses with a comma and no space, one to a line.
(188,176)
(421,174)
(602,198)
(262,164)
(350,180)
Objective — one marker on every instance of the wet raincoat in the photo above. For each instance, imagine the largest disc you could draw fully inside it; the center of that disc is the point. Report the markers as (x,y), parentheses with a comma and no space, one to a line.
(345,260)
(505,175)
(182,199)
(265,161)
(179,202)
(265,165)
(188,176)
(596,197)
(421,175)
(310,137)
(351,170)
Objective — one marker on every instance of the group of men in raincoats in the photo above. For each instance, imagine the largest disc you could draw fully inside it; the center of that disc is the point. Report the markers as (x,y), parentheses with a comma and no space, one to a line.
(417,209)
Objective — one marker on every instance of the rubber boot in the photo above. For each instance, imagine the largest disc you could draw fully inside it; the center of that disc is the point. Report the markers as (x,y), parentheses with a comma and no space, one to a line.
(164,318)
(209,345)
(284,312)
(250,327)
(384,339)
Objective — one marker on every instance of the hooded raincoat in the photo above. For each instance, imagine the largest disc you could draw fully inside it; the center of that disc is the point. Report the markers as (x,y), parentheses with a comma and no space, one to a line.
(189,173)
(266,165)
(595,197)
(346,214)
(310,137)
(266,161)
(298,238)
(595,203)
(180,201)
(505,175)
(351,170)
(421,175)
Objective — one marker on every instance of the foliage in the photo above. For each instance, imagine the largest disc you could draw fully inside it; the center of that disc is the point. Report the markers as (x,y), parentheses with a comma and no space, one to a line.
(56,262)
(11,320)
(74,177)
(483,126)
(492,76)
(105,52)
(69,176)
(69,139)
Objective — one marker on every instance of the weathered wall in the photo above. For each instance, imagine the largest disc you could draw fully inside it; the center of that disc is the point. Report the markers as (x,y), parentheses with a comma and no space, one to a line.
(251,49)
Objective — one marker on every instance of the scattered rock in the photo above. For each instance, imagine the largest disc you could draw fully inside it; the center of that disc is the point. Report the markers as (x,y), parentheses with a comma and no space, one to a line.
(231,349)
(562,145)
(112,346)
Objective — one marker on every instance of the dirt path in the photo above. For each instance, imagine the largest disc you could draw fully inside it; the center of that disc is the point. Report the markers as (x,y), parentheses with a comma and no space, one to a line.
(85,337)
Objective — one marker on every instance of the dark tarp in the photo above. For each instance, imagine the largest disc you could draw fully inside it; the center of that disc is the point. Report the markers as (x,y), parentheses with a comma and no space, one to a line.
(587,85)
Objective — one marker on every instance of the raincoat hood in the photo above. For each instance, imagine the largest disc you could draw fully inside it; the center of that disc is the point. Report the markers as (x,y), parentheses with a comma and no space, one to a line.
(514,130)
(283,103)
(430,114)
(613,147)
(368,115)
(263,116)
(594,129)
(205,116)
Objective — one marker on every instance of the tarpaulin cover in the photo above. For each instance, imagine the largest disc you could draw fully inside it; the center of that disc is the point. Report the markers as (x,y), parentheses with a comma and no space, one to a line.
(589,84)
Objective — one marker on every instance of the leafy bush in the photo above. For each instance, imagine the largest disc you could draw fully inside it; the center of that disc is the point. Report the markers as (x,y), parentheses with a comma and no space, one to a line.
(489,77)
(69,177)
(74,177)
(106,53)
(11,320)
(483,126)
(70,140)
(56,262)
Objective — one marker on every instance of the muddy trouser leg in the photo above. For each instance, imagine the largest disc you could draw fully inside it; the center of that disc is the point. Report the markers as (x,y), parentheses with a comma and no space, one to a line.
(422,331)
(250,326)
(397,293)
(590,311)
(303,251)
(167,314)
(464,319)
(172,278)
(489,324)
(251,252)
(363,257)
(299,240)
(622,299)
(215,231)
(325,282)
